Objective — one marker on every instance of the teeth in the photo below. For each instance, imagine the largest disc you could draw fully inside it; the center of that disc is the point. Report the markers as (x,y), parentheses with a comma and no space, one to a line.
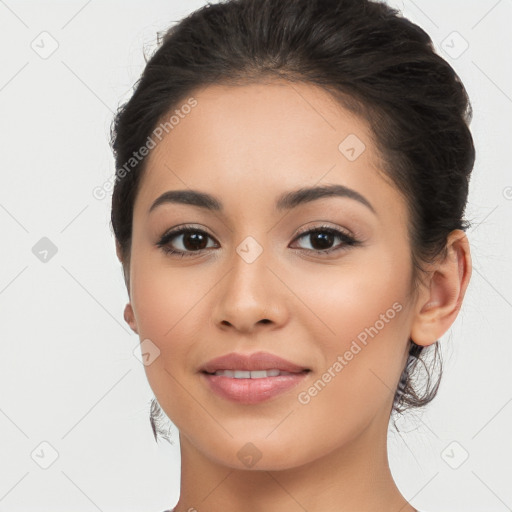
(257,374)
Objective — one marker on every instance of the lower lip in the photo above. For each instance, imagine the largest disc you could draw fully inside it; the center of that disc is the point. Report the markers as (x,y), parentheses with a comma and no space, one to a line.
(252,391)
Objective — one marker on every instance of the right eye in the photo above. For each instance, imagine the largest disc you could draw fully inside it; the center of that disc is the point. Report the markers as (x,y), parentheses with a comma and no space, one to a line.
(193,240)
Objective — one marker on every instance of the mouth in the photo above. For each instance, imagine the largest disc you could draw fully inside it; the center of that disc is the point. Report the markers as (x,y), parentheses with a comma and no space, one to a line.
(251,378)
(256,374)
(251,387)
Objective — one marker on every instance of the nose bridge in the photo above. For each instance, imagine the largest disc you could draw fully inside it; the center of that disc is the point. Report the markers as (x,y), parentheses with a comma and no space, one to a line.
(249,275)
(248,295)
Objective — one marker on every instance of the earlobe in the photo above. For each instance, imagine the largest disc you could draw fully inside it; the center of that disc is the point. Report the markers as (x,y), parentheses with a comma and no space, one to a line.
(440,300)
(130,317)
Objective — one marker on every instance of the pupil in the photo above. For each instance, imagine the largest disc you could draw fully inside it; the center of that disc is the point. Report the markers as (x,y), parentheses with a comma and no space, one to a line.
(325,240)
(196,239)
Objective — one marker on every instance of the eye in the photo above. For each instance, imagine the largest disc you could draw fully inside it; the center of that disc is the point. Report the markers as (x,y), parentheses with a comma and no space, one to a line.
(321,239)
(190,240)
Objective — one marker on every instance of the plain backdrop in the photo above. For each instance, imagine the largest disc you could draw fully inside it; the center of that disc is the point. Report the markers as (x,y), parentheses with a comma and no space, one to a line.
(74,400)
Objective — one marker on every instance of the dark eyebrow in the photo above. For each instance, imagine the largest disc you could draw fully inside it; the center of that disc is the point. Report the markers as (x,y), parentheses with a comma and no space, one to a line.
(305,195)
(193,197)
(286,201)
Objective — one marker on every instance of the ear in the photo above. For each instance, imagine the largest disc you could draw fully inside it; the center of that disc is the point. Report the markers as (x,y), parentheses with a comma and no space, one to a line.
(441,297)
(130,317)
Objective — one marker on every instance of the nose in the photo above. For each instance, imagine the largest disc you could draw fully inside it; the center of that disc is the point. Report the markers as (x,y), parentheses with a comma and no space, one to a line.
(250,297)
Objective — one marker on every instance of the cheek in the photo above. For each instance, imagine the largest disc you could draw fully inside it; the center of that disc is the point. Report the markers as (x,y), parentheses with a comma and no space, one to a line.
(354,301)
(171,307)
(362,336)
(361,314)
(163,297)
(169,311)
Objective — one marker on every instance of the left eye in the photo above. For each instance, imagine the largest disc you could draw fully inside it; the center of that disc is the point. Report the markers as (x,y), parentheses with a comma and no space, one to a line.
(321,239)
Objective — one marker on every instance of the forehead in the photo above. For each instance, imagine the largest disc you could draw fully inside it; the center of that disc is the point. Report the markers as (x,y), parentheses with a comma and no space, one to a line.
(225,115)
(259,139)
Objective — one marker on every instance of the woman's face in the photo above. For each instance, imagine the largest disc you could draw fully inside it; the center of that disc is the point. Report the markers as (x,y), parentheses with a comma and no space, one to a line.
(258,283)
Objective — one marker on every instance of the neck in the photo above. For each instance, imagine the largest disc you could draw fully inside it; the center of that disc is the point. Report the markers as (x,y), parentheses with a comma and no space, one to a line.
(355,476)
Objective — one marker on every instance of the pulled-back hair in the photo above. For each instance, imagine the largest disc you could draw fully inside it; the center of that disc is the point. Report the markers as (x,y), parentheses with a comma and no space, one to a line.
(373,61)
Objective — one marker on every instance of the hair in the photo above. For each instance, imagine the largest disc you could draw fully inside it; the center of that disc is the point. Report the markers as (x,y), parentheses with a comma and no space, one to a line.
(373,61)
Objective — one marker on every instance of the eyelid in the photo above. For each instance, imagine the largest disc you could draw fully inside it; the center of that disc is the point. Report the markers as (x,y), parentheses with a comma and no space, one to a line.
(177,230)
(325,225)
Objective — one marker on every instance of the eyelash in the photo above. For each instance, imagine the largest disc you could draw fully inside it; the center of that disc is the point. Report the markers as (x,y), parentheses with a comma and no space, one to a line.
(348,240)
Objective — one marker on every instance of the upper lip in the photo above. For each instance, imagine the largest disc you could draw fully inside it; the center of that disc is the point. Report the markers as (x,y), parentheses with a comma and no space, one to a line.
(251,362)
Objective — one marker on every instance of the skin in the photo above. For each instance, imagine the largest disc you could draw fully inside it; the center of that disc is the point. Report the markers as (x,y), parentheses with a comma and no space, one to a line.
(246,145)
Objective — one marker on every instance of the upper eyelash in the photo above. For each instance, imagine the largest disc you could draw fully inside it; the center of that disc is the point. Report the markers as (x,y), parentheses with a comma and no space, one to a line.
(348,240)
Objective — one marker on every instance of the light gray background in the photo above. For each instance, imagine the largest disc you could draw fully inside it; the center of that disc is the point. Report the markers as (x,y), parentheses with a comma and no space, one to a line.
(68,374)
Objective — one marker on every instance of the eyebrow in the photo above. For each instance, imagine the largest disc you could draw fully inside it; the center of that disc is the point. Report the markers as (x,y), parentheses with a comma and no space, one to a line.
(286,201)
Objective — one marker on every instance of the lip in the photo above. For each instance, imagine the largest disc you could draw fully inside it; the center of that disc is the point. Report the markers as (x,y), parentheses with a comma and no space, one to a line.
(251,362)
(251,391)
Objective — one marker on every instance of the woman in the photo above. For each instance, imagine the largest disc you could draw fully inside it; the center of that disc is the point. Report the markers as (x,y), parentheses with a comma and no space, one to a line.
(291,182)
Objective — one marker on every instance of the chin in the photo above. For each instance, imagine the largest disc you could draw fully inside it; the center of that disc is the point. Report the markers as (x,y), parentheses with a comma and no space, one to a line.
(260,454)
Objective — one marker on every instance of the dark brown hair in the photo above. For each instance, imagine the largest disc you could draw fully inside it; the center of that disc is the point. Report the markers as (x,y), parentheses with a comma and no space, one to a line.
(373,61)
